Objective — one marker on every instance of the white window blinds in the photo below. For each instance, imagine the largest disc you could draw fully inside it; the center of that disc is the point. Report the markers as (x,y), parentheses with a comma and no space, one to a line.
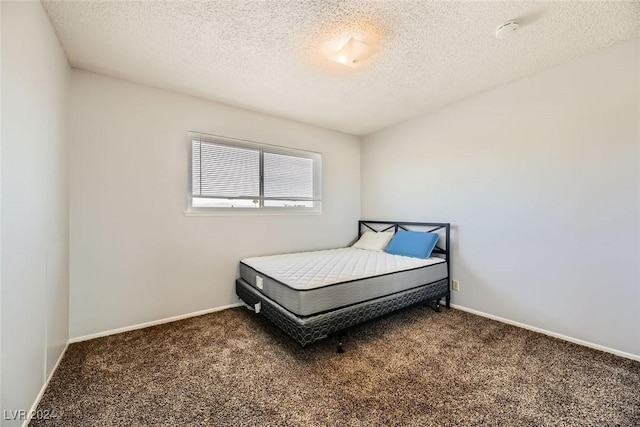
(221,171)
(288,177)
(228,173)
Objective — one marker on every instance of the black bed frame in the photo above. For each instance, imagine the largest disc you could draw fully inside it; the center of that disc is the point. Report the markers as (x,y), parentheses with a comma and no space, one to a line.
(440,251)
(306,330)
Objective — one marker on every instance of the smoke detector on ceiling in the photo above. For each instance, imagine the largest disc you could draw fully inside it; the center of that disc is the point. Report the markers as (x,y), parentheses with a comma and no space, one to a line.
(506,29)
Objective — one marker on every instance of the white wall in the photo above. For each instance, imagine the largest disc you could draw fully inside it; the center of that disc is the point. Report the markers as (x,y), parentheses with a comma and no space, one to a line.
(135,256)
(35,286)
(540,179)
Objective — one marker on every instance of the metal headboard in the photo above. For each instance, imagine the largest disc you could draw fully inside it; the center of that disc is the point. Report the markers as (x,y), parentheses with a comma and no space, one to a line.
(430,227)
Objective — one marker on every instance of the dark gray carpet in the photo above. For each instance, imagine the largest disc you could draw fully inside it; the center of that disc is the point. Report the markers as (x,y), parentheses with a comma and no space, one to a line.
(415,367)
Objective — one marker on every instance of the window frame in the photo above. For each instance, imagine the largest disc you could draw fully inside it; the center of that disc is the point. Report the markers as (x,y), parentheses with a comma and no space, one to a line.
(261,148)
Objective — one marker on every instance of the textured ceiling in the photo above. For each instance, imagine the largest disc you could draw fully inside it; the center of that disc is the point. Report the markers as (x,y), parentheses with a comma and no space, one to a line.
(267,56)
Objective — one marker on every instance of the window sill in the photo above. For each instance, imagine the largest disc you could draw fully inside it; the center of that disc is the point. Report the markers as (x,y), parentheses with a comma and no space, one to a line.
(250,212)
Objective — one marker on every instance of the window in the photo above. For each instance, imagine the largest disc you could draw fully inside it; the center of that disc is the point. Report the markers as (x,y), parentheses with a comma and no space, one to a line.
(232,174)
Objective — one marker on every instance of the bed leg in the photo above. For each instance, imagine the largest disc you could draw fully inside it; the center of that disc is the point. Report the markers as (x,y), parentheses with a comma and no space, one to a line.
(436,306)
(340,349)
(447,300)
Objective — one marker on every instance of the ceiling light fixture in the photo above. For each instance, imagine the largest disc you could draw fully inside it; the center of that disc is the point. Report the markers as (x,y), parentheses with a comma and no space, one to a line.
(353,53)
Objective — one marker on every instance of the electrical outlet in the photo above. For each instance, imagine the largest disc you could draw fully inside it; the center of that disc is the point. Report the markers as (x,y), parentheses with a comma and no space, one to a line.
(455,285)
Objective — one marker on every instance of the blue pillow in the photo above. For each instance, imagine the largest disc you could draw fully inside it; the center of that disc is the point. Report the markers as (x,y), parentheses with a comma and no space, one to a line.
(415,244)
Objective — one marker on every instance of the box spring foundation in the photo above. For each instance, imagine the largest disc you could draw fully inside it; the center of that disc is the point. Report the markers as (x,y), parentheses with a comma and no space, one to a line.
(307,330)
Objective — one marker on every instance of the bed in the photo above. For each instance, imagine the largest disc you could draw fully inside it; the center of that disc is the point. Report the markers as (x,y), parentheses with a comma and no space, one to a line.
(311,295)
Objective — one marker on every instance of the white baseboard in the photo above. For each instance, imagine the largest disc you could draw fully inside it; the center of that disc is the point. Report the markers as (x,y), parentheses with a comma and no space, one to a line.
(549,333)
(152,323)
(34,407)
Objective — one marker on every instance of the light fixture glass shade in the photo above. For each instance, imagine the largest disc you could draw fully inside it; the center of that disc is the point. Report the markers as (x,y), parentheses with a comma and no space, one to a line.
(353,53)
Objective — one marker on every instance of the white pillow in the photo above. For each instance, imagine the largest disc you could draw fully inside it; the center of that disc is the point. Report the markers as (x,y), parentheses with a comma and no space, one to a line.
(374,241)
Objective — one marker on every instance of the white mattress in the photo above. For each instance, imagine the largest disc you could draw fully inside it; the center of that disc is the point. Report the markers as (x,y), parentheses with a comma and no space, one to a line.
(307,283)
